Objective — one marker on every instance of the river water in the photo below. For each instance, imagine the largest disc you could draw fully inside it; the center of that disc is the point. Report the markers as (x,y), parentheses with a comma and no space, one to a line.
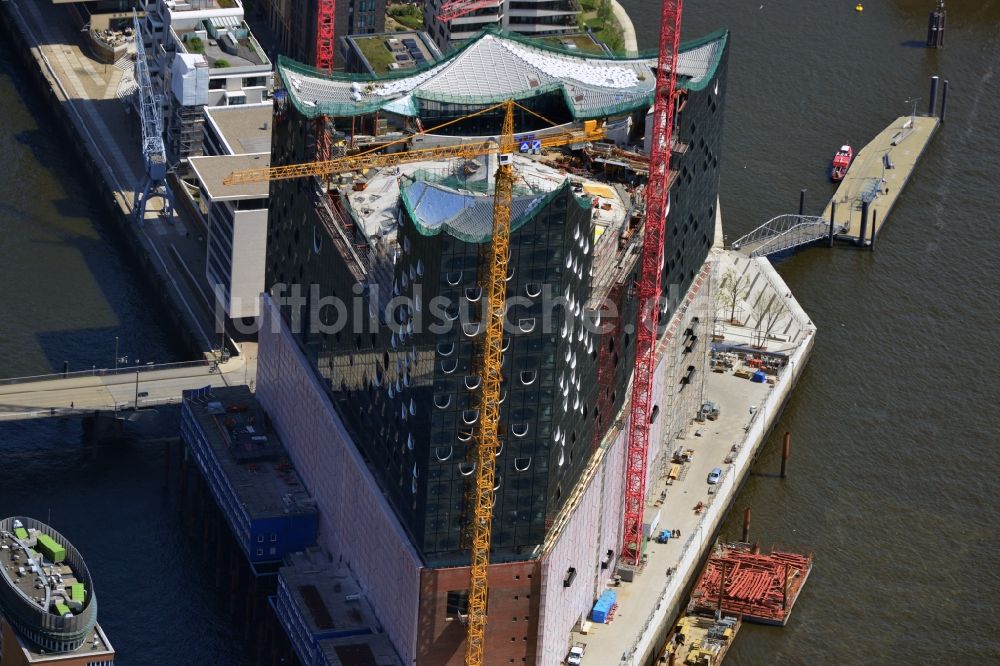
(893,425)
(893,422)
(69,290)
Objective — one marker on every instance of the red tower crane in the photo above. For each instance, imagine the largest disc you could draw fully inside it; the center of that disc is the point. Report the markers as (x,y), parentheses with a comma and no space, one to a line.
(325,11)
(650,276)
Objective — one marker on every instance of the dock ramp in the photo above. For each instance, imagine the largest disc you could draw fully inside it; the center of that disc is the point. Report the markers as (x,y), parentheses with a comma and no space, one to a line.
(783,234)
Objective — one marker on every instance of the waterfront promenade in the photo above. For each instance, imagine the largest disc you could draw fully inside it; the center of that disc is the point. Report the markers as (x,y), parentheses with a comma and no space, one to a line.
(94,97)
(748,412)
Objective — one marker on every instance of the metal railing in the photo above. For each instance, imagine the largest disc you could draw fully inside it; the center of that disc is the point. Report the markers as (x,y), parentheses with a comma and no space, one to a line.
(784,232)
(103,372)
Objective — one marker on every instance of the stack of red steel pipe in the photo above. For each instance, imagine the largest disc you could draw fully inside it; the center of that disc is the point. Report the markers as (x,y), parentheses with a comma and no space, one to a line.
(758,586)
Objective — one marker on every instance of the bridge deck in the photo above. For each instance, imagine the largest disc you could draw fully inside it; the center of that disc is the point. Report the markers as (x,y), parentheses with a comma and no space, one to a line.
(89,393)
(904,145)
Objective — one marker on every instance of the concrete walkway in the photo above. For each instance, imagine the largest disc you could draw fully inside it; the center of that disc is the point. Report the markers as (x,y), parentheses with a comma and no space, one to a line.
(904,143)
(747,411)
(628,30)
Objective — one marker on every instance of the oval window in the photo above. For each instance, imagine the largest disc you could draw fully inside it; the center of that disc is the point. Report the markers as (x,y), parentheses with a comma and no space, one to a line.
(317,240)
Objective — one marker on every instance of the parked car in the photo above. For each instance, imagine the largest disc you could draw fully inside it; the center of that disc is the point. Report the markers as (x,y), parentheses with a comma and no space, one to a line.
(715,475)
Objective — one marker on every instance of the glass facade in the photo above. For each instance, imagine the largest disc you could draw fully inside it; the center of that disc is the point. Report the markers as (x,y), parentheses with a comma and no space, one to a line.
(402,373)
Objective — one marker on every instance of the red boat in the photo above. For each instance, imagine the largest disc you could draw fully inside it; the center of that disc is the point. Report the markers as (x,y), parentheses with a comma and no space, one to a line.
(841,161)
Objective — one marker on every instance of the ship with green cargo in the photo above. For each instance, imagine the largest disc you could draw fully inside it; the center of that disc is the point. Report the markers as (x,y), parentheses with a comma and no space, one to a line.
(46,592)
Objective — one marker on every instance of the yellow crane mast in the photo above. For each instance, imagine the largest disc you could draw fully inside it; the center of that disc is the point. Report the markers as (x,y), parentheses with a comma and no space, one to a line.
(494,283)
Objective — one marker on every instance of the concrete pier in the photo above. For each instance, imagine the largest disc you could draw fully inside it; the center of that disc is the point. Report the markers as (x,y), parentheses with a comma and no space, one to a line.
(878,175)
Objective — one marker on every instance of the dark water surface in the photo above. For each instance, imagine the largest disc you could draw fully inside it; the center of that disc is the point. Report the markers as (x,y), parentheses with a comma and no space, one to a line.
(895,425)
(68,291)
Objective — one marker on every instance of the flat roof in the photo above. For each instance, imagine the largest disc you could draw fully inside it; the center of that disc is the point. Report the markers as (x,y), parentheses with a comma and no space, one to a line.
(370,650)
(95,649)
(212,170)
(407,50)
(250,454)
(327,595)
(246,128)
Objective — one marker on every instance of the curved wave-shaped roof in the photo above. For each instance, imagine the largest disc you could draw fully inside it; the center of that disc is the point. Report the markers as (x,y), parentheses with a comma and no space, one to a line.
(468,217)
(496,66)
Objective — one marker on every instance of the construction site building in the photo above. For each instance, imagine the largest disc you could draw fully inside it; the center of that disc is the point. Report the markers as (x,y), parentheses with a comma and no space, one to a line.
(293,23)
(377,405)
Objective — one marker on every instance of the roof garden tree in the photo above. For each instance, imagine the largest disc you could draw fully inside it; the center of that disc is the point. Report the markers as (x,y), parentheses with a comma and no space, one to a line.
(732,289)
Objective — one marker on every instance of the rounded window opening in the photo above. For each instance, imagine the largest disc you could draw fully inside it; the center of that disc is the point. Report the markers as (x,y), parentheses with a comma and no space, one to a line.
(528,377)
(519,429)
(443,454)
(453,277)
(470,416)
(472,382)
(533,289)
(446,348)
(449,366)
(317,240)
(522,464)
(473,294)
(466,468)
(526,325)
(471,330)
(464,435)
(442,401)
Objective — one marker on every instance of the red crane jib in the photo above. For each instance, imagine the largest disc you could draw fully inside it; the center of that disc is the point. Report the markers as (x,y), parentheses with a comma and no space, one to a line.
(326,9)
(650,276)
(453,9)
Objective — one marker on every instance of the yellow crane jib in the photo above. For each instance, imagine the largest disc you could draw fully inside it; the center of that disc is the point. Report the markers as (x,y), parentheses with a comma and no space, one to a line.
(592,131)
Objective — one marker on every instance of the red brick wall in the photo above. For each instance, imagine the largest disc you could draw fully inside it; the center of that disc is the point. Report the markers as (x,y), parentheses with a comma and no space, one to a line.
(512,624)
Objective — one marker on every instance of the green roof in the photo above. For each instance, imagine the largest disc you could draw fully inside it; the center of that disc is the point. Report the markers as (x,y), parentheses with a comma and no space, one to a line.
(21,533)
(62,609)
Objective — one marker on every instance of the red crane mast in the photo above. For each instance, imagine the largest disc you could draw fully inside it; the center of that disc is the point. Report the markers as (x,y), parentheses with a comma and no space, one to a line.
(650,276)
(325,11)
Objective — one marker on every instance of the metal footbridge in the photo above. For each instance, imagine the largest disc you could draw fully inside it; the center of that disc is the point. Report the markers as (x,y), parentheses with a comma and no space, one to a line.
(785,233)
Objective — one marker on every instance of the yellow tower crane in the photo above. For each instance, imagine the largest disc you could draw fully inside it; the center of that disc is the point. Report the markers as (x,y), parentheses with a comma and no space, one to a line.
(493,281)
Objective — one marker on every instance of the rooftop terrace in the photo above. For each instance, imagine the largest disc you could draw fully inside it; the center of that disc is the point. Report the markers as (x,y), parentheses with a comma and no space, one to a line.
(225,42)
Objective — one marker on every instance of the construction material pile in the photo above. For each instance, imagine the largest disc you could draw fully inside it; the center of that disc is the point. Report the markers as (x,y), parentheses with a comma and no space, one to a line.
(761,588)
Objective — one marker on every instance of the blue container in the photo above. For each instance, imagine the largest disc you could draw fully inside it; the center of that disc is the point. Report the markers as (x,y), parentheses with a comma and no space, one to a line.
(760,377)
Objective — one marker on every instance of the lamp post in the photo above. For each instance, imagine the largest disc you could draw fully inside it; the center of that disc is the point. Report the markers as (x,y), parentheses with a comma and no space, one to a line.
(913,114)
(136,408)
(116,353)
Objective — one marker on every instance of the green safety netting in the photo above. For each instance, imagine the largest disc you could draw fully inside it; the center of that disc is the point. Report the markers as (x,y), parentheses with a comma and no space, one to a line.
(612,102)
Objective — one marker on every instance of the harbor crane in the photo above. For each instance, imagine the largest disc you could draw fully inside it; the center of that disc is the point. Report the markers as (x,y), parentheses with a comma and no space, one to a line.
(154,154)
(650,287)
(493,282)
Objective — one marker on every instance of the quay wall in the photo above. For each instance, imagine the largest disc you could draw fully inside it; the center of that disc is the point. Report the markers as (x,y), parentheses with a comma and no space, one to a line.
(93,168)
